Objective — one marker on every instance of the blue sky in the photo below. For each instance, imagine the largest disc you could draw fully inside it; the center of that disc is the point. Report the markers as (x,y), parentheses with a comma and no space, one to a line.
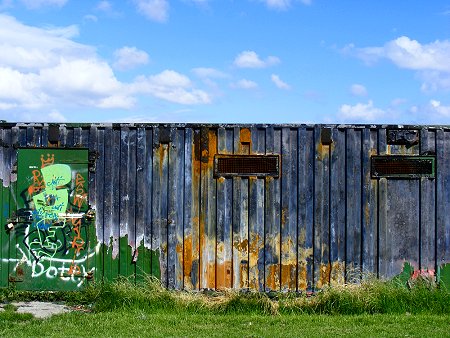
(230,61)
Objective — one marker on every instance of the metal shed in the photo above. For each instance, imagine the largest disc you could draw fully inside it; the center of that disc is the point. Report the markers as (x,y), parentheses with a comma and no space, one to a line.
(201,206)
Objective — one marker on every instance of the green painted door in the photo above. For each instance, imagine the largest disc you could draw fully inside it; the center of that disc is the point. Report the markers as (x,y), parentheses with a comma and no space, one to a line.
(53,232)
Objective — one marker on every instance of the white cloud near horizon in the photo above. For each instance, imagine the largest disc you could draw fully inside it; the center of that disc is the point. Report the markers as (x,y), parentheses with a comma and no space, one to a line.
(129,57)
(431,61)
(279,83)
(249,59)
(42,69)
(155,10)
(360,112)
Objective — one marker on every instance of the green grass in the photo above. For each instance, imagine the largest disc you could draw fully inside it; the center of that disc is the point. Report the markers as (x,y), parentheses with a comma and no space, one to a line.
(372,308)
(140,323)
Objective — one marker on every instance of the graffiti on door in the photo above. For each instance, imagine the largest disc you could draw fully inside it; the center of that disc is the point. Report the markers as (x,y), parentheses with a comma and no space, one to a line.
(51,225)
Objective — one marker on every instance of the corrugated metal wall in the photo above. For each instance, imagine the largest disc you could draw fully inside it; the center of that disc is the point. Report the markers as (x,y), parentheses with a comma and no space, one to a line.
(324,220)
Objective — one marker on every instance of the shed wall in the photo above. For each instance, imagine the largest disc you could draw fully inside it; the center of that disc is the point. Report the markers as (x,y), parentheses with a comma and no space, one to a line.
(324,220)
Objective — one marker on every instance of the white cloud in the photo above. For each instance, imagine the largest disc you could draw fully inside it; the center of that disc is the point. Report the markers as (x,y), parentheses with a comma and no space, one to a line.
(360,112)
(171,86)
(439,109)
(358,90)
(56,116)
(104,6)
(249,59)
(129,58)
(244,84)
(42,68)
(283,4)
(431,61)
(279,83)
(155,10)
(34,4)
(209,73)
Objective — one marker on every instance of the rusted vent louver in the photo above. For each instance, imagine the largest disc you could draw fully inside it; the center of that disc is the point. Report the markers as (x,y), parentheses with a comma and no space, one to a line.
(403,166)
(246,165)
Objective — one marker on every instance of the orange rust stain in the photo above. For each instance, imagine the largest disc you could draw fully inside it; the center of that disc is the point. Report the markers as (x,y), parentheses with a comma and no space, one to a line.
(337,273)
(288,278)
(243,272)
(302,276)
(323,151)
(273,277)
(179,248)
(324,275)
(211,275)
(245,135)
(162,150)
(187,256)
(242,246)
(284,213)
(223,275)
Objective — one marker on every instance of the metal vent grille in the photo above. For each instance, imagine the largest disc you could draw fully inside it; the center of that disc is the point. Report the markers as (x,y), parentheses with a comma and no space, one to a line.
(246,165)
(403,166)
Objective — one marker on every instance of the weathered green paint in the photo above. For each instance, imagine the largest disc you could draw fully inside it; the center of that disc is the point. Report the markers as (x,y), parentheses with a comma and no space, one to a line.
(405,275)
(443,276)
(54,247)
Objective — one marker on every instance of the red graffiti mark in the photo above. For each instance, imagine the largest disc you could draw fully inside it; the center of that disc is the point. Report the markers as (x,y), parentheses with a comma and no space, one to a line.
(47,161)
(79,198)
(74,269)
(38,183)
(425,273)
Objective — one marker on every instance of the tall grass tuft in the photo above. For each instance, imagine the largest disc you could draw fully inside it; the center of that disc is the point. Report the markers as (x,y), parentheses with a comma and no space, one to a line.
(370,296)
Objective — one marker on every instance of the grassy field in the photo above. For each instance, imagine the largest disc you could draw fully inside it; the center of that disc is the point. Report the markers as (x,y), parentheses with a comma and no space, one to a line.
(370,309)
(138,323)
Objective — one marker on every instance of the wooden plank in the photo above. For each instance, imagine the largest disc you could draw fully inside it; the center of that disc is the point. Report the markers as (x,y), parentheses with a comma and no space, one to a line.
(175,210)
(224,248)
(272,217)
(240,215)
(427,207)
(143,203)
(124,204)
(256,216)
(443,197)
(192,209)
(369,206)
(99,201)
(160,199)
(4,197)
(305,181)
(289,157)
(354,197)
(131,167)
(322,265)
(384,235)
(115,178)
(107,203)
(403,217)
(208,210)
(13,193)
(337,207)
